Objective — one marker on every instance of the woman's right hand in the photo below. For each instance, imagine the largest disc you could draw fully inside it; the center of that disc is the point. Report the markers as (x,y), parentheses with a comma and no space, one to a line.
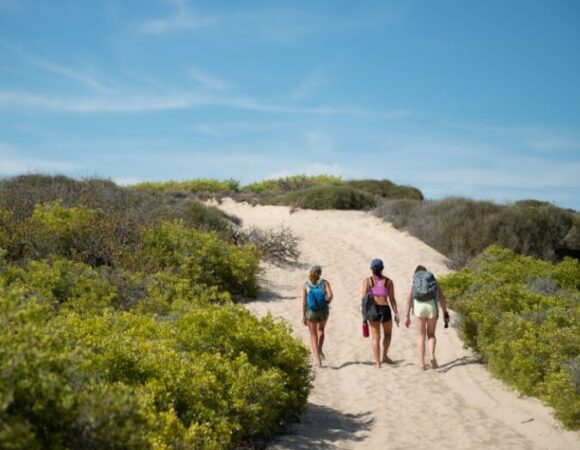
(407,322)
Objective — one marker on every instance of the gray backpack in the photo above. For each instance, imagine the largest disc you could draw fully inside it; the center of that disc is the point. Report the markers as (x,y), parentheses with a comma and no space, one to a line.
(424,286)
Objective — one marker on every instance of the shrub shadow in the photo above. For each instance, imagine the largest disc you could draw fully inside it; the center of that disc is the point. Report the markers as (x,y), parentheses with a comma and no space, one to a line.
(395,363)
(463,361)
(321,427)
(269,295)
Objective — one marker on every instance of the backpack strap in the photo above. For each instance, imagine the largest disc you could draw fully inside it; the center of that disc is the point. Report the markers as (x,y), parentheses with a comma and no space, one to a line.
(370,284)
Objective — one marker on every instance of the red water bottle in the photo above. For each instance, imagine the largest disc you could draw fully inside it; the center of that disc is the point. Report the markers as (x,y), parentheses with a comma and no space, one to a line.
(365,328)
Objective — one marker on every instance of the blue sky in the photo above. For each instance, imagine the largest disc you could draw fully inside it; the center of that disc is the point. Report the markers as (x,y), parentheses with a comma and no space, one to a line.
(472,98)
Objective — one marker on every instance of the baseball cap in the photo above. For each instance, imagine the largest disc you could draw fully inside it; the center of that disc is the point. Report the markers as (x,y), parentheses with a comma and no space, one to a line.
(377,264)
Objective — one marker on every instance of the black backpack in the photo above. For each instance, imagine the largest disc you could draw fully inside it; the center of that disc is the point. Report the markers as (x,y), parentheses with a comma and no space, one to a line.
(424,286)
(368,305)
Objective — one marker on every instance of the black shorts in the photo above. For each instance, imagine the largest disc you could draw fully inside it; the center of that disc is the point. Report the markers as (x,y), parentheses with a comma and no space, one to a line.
(382,313)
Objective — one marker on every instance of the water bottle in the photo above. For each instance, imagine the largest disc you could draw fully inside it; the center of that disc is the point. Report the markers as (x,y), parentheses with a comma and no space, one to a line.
(365,328)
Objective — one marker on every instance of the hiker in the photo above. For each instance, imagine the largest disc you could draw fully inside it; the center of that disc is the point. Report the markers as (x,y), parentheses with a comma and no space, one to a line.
(316,296)
(423,300)
(382,289)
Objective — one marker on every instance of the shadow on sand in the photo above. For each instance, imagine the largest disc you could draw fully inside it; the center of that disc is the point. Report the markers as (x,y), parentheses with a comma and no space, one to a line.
(321,427)
(463,361)
(395,363)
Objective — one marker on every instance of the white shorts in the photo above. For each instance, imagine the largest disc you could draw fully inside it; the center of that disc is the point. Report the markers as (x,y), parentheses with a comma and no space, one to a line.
(427,310)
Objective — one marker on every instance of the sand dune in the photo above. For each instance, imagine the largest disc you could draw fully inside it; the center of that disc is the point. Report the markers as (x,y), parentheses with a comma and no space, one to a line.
(355,406)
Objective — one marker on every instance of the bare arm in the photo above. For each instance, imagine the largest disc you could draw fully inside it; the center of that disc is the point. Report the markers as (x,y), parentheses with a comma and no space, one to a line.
(392,300)
(408,308)
(441,300)
(304,304)
(328,290)
(365,287)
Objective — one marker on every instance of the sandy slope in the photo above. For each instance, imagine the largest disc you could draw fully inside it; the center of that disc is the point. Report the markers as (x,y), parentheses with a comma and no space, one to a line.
(355,406)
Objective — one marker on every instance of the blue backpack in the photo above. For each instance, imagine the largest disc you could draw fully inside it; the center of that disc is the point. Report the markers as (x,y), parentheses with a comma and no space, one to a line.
(316,296)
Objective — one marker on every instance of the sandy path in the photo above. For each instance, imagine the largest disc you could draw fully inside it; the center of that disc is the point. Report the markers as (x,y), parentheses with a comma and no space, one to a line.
(355,406)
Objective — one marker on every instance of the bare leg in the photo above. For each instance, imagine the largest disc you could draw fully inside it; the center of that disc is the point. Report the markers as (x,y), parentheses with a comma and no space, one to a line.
(321,335)
(387,330)
(314,342)
(431,325)
(375,337)
(421,334)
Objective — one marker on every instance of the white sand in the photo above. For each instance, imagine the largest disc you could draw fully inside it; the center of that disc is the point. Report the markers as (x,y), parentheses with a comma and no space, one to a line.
(356,406)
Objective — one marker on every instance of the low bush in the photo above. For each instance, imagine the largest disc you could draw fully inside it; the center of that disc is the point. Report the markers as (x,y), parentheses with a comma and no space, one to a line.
(461,228)
(523,316)
(125,209)
(326,197)
(123,380)
(325,192)
(292,183)
(278,246)
(196,186)
(117,326)
(201,258)
(386,189)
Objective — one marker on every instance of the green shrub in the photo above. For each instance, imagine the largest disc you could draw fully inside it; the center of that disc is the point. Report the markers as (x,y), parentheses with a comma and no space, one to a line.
(210,379)
(326,197)
(8,233)
(386,189)
(200,185)
(126,210)
(461,228)
(202,258)
(523,316)
(77,233)
(109,304)
(292,183)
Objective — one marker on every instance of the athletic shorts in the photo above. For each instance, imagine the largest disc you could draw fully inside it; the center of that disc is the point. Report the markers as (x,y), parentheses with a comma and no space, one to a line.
(318,315)
(382,314)
(426,310)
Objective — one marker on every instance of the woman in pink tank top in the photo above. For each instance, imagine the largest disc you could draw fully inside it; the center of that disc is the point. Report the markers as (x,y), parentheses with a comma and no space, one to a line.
(383,292)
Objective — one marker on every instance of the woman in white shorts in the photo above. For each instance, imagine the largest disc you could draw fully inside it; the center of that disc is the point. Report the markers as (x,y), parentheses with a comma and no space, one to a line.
(427,312)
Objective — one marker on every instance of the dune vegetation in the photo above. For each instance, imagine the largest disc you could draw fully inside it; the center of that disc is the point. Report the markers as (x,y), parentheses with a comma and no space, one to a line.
(522,315)
(462,228)
(120,327)
(120,322)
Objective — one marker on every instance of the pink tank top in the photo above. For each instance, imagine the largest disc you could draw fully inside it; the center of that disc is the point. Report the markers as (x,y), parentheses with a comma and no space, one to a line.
(380,290)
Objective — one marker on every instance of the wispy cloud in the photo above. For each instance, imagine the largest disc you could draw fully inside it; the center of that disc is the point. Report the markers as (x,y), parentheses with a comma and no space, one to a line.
(554,143)
(12,164)
(319,143)
(225,128)
(79,76)
(132,103)
(116,104)
(208,81)
(181,19)
(309,86)
(270,23)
